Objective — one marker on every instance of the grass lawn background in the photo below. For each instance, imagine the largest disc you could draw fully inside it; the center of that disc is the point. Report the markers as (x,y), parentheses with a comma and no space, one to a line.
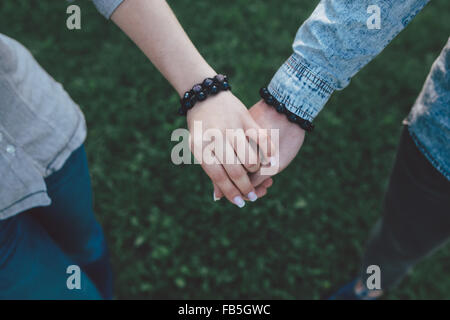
(168,238)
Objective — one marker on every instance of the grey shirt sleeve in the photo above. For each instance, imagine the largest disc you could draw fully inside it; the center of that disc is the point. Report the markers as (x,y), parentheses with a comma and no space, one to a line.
(107,7)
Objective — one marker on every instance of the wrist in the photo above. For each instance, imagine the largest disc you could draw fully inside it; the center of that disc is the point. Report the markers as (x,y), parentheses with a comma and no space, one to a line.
(208,107)
(281,120)
(210,86)
(280,107)
(191,77)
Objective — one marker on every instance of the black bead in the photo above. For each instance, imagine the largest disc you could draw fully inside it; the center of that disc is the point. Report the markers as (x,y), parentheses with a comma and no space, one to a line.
(193,100)
(261,92)
(225,85)
(201,96)
(307,126)
(186,95)
(220,78)
(264,93)
(207,83)
(214,89)
(280,107)
(292,117)
(270,100)
(187,104)
(197,88)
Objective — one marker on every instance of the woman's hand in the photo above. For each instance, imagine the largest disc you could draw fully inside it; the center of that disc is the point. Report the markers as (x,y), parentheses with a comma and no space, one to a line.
(155,29)
(291,138)
(222,134)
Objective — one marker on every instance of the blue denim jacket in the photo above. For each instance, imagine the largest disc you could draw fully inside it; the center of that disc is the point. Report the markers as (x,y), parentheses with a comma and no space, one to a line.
(335,42)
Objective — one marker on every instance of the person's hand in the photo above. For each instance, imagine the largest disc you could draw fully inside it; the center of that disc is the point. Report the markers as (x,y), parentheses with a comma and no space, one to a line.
(157,32)
(229,161)
(291,138)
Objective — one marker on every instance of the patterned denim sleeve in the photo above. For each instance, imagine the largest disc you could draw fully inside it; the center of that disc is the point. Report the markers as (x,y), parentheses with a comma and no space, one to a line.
(107,7)
(332,45)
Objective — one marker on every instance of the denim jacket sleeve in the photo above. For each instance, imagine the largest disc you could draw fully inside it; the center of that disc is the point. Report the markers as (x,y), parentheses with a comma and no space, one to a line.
(332,45)
(107,7)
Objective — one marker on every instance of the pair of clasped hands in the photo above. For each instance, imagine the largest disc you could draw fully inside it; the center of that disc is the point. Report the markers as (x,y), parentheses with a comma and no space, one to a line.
(156,31)
(240,178)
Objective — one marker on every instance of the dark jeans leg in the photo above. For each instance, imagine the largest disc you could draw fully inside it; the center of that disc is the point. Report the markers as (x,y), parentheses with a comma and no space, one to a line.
(33,266)
(37,246)
(416,217)
(71,222)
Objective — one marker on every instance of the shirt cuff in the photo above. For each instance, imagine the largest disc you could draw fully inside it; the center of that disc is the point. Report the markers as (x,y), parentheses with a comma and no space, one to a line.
(301,89)
(107,7)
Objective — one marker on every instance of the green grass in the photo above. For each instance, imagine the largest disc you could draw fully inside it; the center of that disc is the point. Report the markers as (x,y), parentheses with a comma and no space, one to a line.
(168,239)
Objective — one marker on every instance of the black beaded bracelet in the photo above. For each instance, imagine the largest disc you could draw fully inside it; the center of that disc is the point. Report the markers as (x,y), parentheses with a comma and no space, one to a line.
(199,92)
(281,108)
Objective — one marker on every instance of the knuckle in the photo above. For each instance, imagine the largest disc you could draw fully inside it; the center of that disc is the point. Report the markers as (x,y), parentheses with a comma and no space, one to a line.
(219,177)
(235,174)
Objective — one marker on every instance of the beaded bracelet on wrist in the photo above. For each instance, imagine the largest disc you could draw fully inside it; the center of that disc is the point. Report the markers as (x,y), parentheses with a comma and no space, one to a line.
(201,91)
(281,108)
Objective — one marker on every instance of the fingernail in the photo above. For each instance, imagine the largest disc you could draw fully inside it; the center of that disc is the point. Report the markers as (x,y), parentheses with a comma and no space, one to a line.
(239,201)
(214,197)
(252,196)
(273,161)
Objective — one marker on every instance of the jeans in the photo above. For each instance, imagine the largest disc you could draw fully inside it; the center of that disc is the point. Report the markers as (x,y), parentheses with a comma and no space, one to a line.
(416,217)
(38,245)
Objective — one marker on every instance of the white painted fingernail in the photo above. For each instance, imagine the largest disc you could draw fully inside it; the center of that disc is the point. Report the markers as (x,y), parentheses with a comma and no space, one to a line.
(239,201)
(252,196)
(273,161)
(214,197)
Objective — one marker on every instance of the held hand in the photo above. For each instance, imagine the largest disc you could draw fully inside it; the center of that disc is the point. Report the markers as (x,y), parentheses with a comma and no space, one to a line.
(291,138)
(155,29)
(227,162)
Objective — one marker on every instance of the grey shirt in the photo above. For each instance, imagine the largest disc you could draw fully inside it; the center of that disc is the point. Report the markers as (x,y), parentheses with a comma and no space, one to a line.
(40,125)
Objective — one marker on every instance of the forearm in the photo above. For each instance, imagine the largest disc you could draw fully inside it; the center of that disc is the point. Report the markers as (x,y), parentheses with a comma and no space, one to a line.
(154,28)
(331,46)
